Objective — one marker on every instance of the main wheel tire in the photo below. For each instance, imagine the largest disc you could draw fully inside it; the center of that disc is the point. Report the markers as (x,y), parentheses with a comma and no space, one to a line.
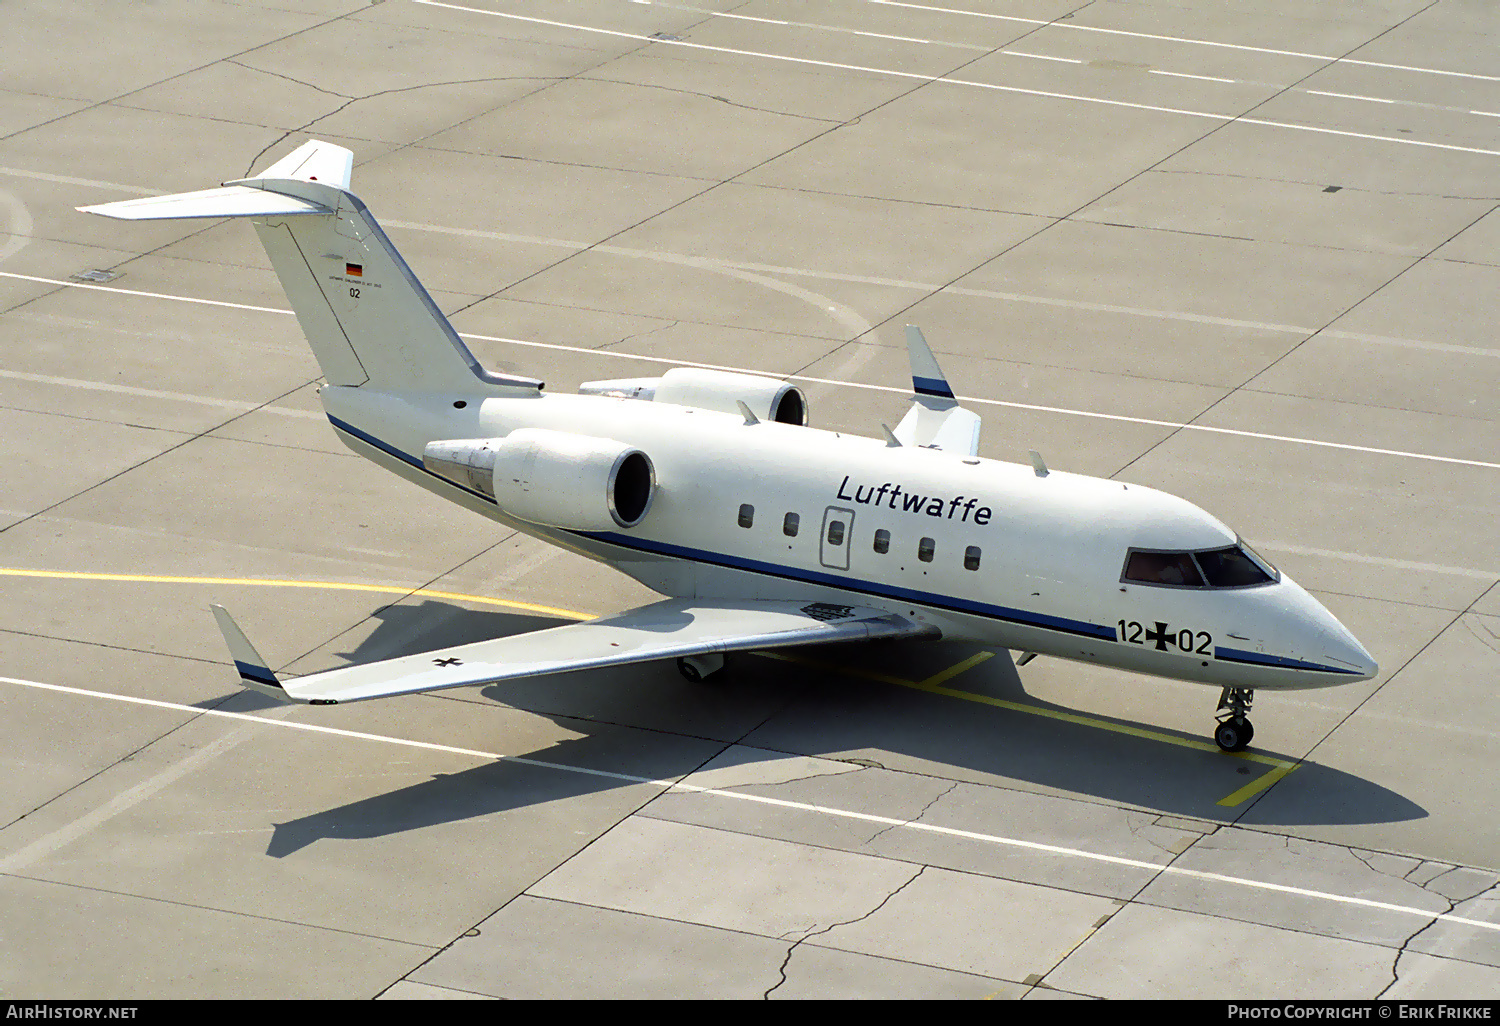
(689,671)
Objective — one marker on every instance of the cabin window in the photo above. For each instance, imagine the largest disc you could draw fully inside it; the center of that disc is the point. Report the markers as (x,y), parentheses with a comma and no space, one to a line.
(835,532)
(925,549)
(971,557)
(790,524)
(747,515)
(882,541)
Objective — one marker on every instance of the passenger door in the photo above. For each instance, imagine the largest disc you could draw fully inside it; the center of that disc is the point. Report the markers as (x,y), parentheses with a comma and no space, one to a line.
(838,526)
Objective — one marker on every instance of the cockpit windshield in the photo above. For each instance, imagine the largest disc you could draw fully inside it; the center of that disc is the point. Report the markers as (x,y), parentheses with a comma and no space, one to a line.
(1235,567)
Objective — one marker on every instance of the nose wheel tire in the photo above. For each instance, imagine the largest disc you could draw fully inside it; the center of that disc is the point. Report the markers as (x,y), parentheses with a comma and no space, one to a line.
(1234,735)
(1234,731)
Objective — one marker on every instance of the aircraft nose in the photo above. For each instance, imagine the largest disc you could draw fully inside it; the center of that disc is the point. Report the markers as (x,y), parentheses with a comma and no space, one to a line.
(1342,648)
(1348,651)
(1327,640)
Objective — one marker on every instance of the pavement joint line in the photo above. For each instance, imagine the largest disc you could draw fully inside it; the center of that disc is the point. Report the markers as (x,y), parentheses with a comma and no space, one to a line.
(944,80)
(681,785)
(1034,407)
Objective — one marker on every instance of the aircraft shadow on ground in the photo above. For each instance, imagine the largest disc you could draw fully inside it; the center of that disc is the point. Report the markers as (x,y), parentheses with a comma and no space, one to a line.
(819,712)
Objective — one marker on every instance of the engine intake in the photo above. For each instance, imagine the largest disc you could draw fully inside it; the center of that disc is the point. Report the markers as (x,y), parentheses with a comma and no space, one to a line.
(576,482)
(721,391)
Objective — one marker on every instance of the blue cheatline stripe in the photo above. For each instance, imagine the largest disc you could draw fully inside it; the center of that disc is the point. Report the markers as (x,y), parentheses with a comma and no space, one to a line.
(1024,617)
(259,674)
(958,605)
(931,386)
(1020,616)
(391,450)
(1234,655)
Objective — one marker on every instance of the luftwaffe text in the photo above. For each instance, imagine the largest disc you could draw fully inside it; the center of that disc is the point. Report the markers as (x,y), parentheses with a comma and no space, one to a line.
(893,496)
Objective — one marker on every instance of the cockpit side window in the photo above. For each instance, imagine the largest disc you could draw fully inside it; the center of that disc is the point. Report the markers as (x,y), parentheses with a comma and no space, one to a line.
(1232,568)
(1174,568)
(1237,566)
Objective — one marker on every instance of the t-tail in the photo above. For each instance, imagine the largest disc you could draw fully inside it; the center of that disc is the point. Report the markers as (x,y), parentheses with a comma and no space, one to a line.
(367,317)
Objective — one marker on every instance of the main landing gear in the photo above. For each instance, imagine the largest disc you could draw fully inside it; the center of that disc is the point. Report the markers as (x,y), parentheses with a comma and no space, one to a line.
(1234,731)
(699,668)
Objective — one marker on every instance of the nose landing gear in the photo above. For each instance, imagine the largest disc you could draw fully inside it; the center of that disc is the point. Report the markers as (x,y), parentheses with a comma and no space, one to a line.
(1234,731)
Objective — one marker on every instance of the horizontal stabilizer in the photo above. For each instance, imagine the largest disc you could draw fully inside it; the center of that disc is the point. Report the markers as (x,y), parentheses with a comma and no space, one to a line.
(365,314)
(662,630)
(935,420)
(229,201)
(253,671)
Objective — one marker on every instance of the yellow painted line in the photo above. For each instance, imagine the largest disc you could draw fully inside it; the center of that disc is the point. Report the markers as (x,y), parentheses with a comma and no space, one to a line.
(258,582)
(932,685)
(945,676)
(1257,785)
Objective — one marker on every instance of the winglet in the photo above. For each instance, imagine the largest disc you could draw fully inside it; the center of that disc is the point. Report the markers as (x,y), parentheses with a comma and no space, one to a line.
(935,420)
(253,671)
(315,161)
(926,376)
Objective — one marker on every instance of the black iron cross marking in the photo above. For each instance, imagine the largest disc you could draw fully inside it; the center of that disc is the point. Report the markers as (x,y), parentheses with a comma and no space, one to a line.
(450,661)
(1163,636)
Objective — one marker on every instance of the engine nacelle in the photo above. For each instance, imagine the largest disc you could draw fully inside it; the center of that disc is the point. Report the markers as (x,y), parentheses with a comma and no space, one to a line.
(768,398)
(576,482)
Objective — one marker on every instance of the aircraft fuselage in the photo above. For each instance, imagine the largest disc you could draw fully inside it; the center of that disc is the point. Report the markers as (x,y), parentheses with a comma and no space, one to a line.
(983,550)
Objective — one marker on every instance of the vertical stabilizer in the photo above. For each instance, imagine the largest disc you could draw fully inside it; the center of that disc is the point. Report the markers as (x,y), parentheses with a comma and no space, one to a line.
(365,314)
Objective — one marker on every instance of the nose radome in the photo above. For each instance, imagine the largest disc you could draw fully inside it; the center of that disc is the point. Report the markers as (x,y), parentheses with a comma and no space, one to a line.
(1333,641)
(1343,649)
(1347,651)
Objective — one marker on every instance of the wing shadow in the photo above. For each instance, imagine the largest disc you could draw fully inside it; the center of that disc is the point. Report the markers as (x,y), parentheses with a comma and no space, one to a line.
(805,709)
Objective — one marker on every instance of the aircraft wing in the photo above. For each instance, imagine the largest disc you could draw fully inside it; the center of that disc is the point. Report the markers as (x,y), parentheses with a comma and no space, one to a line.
(662,630)
(935,420)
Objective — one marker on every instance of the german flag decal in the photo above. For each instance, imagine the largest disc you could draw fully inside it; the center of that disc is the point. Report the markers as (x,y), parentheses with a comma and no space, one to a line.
(354,270)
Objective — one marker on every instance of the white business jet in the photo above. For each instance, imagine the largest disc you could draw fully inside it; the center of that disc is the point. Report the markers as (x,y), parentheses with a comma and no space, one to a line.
(710,488)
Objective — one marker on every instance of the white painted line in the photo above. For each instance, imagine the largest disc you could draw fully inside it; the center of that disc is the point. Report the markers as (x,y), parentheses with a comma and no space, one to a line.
(1395,564)
(148,295)
(1424,71)
(89,182)
(824,810)
(152,393)
(1412,343)
(1040,57)
(808,25)
(1347,96)
(937,79)
(1193,42)
(1201,78)
(1119,418)
(1367,135)
(1485,113)
(705,263)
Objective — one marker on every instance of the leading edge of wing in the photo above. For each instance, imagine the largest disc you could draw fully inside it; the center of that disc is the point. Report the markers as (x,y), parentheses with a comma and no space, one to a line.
(662,630)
